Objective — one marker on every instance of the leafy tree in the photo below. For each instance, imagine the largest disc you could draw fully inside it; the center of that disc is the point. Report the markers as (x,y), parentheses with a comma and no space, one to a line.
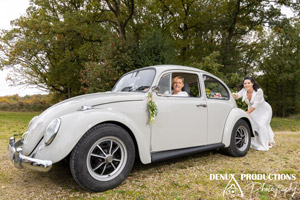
(120,56)
(48,46)
(281,69)
(114,13)
(71,47)
(155,49)
(116,59)
(210,64)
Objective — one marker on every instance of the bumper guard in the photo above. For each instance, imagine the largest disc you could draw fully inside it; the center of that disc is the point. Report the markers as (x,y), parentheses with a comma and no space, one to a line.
(15,154)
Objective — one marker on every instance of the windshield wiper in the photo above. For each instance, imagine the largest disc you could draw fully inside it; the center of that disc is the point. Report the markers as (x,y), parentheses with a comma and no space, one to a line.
(127,89)
(142,88)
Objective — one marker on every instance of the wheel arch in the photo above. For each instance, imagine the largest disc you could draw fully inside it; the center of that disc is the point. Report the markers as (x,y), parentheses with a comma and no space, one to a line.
(235,115)
(250,125)
(75,125)
(129,131)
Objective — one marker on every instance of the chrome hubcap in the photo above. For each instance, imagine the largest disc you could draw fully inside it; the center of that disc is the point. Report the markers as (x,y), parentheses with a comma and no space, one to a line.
(106,158)
(241,138)
(109,159)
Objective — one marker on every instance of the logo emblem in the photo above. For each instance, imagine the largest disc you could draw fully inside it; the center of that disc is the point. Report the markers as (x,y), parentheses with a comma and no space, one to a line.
(233,189)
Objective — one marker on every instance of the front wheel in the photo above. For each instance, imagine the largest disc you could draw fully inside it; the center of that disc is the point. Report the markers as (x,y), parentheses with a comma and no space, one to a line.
(103,158)
(240,139)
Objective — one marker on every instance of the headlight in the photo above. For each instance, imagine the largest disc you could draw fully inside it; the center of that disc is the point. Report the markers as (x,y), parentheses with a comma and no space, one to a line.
(32,120)
(23,137)
(51,131)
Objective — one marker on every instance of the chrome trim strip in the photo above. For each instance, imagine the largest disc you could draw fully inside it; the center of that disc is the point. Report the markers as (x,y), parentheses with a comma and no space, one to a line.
(170,154)
(85,107)
(116,102)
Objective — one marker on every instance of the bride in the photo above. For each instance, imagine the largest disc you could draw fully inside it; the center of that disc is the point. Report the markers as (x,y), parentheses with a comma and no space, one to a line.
(260,113)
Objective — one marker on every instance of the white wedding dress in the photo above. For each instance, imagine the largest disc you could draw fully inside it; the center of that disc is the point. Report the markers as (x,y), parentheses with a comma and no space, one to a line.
(261,118)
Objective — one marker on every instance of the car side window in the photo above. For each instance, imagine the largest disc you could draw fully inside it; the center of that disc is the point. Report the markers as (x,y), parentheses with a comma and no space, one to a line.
(214,89)
(191,84)
(164,85)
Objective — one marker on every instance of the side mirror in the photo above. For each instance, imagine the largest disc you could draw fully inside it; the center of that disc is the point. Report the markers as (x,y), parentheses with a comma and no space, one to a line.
(155,89)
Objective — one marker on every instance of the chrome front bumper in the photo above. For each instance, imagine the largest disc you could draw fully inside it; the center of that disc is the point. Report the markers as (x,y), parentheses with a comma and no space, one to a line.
(20,161)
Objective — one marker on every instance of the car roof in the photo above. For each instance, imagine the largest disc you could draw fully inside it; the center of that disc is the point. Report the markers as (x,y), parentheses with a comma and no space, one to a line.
(161,68)
(174,67)
(166,67)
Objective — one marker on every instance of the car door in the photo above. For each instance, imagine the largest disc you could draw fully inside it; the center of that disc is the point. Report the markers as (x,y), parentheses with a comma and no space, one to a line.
(217,98)
(181,121)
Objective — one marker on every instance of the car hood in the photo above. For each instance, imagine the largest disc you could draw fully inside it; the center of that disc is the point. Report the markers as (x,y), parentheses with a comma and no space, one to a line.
(38,125)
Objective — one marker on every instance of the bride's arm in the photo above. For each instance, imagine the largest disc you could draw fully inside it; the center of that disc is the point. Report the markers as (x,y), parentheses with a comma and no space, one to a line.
(250,110)
(259,98)
(239,94)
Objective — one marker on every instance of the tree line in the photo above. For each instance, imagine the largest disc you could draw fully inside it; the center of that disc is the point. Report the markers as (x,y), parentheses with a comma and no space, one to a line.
(26,103)
(73,47)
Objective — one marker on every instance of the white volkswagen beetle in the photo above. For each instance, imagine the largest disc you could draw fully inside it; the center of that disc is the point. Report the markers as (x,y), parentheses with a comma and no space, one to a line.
(103,133)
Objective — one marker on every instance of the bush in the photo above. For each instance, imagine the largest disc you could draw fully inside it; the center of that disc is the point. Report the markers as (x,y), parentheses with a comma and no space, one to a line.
(26,103)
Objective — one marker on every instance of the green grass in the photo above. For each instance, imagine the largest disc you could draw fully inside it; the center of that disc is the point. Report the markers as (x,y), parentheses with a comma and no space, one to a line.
(285,124)
(14,123)
(181,178)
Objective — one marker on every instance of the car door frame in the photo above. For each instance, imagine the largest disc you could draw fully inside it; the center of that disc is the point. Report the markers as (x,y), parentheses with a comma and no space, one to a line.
(218,112)
(193,101)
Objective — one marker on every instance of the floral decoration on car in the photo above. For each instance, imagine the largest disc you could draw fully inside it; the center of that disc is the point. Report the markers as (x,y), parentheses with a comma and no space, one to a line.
(152,108)
(211,94)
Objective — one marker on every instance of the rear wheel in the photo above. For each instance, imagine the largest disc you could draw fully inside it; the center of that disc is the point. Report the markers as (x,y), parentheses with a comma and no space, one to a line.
(240,139)
(103,158)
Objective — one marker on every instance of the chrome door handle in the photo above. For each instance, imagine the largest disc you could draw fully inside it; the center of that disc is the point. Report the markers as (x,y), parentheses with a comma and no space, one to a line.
(202,105)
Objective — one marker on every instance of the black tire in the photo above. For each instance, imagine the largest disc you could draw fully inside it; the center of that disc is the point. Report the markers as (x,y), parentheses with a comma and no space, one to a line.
(103,158)
(240,139)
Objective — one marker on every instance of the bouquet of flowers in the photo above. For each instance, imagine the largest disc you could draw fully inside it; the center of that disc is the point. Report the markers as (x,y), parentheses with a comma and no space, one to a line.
(152,108)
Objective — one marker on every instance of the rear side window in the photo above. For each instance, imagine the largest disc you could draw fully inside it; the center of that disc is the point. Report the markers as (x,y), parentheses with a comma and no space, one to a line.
(214,89)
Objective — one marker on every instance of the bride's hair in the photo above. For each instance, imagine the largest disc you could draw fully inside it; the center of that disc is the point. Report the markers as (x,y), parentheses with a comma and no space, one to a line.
(255,85)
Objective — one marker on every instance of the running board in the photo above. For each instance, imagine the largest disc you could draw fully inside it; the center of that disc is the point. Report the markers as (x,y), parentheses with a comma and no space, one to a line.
(164,155)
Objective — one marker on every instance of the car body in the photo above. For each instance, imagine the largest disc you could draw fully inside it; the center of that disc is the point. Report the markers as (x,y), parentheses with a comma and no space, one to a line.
(103,133)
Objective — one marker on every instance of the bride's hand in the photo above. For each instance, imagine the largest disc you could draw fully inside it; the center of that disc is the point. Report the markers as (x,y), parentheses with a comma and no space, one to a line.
(235,96)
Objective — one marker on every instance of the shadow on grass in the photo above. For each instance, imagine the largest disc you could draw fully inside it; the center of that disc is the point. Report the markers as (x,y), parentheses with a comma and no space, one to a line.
(60,174)
(140,167)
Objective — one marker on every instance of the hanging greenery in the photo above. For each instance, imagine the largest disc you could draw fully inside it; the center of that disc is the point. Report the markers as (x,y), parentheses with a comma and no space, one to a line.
(152,108)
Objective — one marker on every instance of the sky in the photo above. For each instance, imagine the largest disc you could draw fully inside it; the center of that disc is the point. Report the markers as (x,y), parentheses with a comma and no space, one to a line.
(10,10)
(13,9)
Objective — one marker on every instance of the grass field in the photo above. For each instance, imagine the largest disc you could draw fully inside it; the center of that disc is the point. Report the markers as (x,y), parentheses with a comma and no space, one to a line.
(182,178)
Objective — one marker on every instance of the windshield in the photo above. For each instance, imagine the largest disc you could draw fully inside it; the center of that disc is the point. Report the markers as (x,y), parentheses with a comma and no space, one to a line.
(135,81)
